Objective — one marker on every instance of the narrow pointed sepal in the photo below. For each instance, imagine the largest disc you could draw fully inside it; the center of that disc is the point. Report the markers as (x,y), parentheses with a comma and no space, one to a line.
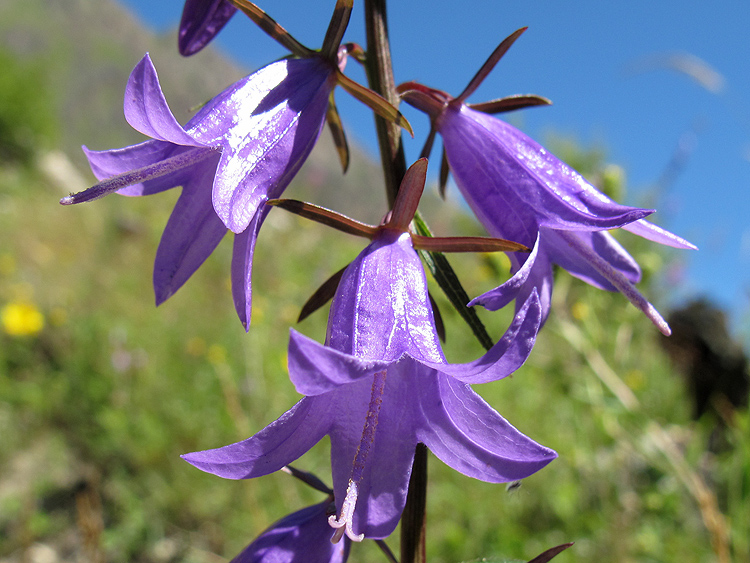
(336,28)
(428,100)
(510,103)
(337,132)
(489,64)
(439,324)
(445,170)
(550,553)
(374,101)
(309,479)
(409,193)
(272,29)
(321,296)
(325,217)
(467,244)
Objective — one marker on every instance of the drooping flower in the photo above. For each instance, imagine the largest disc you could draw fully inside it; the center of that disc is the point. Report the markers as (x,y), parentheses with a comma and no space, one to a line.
(520,191)
(201,21)
(301,537)
(381,384)
(240,149)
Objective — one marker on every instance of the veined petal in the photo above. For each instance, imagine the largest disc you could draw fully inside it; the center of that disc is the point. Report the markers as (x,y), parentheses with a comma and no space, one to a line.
(146,108)
(105,164)
(499,297)
(600,242)
(201,21)
(191,235)
(616,278)
(315,369)
(277,445)
(381,309)
(384,478)
(141,176)
(538,277)
(508,354)
(514,174)
(266,126)
(465,433)
(652,232)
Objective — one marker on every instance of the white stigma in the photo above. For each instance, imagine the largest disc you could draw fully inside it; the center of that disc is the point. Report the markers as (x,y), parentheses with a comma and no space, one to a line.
(344,522)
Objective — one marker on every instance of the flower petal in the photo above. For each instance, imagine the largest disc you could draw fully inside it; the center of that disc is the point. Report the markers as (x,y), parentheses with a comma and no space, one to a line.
(301,537)
(385,475)
(655,233)
(146,108)
(191,235)
(508,354)
(512,174)
(497,298)
(242,268)
(105,164)
(277,445)
(266,125)
(471,437)
(381,309)
(201,21)
(315,369)
(601,243)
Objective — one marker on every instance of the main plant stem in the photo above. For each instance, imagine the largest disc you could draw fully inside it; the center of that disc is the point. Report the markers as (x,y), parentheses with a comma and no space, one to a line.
(381,80)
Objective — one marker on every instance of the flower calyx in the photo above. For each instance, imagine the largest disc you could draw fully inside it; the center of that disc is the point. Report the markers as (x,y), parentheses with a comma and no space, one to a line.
(399,220)
(435,102)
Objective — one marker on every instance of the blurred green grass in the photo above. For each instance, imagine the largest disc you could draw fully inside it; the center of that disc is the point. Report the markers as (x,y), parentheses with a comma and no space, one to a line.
(96,407)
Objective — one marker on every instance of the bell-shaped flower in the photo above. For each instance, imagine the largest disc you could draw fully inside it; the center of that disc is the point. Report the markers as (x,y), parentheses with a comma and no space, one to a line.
(240,149)
(201,21)
(520,191)
(301,537)
(381,385)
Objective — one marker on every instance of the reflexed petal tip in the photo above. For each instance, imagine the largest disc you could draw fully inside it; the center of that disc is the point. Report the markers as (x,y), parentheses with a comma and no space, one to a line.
(146,109)
(508,354)
(315,369)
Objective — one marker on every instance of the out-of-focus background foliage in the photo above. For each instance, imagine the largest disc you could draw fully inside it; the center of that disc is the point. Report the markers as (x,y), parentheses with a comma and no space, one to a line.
(100,392)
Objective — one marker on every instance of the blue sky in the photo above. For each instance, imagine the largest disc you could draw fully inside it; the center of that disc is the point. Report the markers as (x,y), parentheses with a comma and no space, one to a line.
(605,66)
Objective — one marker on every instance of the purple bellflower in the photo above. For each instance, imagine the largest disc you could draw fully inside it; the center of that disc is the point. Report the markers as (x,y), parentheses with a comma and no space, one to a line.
(201,21)
(301,537)
(520,191)
(240,149)
(381,385)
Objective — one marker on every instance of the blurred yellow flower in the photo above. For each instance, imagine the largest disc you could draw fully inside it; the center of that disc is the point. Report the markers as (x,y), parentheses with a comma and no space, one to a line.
(580,310)
(217,354)
(21,319)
